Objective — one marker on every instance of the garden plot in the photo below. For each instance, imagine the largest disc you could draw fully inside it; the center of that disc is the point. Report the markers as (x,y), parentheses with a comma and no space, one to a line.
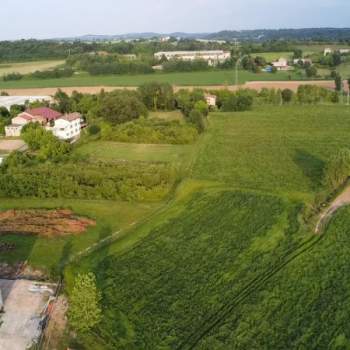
(25,311)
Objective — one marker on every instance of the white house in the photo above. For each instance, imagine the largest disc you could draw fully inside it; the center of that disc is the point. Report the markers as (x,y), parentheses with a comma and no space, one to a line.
(302,60)
(282,65)
(68,127)
(213,57)
(211,100)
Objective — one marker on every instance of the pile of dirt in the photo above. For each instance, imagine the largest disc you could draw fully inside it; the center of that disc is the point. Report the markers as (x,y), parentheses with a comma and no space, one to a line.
(41,222)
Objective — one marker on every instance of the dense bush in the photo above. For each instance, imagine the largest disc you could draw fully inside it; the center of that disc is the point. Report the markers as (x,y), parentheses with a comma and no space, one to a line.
(157,96)
(53,73)
(186,100)
(241,100)
(151,131)
(120,106)
(86,180)
(312,94)
(12,76)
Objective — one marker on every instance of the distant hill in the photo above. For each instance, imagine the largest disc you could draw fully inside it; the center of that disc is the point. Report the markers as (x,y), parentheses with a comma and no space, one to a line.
(259,35)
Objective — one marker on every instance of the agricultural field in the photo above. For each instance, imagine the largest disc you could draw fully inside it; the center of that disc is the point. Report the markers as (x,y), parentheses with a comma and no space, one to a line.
(215,77)
(229,262)
(116,151)
(49,253)
(27,67)
(273,56)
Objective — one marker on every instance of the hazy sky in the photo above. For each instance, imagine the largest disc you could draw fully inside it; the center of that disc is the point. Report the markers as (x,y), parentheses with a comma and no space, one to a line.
(58,18)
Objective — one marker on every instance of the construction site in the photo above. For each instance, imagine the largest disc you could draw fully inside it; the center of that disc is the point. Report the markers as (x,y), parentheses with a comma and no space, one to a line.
(25,308)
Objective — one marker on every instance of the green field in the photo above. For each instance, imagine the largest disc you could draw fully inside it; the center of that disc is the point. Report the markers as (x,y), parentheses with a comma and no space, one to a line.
(113,151)
(229,263)
(273,56)
(47,254)
(215,77)
(27,67)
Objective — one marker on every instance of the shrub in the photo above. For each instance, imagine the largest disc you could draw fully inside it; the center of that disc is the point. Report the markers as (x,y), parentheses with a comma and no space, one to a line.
(12,76)
(338,169)
(94,129)
(157,96)
(287,95)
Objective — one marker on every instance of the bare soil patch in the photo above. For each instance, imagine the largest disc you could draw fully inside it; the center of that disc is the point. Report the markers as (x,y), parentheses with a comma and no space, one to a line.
(41,222)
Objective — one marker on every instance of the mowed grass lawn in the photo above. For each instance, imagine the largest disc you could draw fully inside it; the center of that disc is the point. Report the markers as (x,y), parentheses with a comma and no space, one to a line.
(116,151)
(275,149)
(27,67)
(214,77)
(47,254)
(273,56)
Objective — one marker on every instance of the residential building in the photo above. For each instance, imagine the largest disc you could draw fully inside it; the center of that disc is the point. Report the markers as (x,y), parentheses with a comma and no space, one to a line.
(213,57)
(302,60)
(42,115)
(68,127)
(211,100)
(282,65)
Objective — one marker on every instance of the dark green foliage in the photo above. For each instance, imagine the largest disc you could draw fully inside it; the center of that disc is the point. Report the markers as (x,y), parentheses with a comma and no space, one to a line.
(12,76)
(338,82)
(287,95)
(121,106)
(157,96)
(311,71)
(312,94)
(338,169)
(158,293)
(44,143)
(186,100)
(85,180)
(94,129)
(234,102)
(53,73)
(151,131)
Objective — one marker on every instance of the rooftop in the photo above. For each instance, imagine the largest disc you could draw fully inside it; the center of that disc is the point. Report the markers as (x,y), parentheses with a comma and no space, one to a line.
(45,112)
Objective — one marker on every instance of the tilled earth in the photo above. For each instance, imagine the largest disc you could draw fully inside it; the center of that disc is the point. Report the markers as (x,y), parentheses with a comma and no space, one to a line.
(41,222)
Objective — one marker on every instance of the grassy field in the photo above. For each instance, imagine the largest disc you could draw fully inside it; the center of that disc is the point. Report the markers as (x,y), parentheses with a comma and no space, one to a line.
(27,67)
(112,151)
(215,77)
(229,264)
(46,253)
(273,56)
(274,149)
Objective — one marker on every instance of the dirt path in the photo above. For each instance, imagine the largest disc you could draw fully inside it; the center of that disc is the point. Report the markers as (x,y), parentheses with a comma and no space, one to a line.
(342,200)
(256,85)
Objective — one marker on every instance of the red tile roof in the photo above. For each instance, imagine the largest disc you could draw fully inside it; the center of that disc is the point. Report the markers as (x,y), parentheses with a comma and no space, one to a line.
(71,116)
(45,112)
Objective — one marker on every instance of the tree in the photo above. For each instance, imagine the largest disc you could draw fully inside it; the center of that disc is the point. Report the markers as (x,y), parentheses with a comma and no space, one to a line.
(338,83)
(121,106)
(157,96)
(202,107)
(297,53)
(84,310)
(338,169)
(287,95)
(63,102)
(198,120)
(311,71)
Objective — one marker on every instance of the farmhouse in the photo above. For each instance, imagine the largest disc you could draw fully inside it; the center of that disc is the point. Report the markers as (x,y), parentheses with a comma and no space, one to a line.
(282,65)
(65,127)
(68,127)
(302,60)
(213,57)
(42,115)
(211,100)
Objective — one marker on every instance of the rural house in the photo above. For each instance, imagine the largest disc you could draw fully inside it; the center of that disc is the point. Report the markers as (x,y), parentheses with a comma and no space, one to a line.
(68,127)
(42,115)
(65,127)
(211,100)
(282,65)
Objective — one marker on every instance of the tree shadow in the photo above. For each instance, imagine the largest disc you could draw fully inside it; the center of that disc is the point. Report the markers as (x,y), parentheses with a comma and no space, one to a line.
(311,166)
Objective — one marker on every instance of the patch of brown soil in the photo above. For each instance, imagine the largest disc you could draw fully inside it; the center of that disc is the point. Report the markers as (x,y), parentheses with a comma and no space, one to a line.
(47,223)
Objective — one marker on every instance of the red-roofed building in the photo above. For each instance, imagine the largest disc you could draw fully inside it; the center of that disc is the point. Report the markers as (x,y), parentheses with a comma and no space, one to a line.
(45,113)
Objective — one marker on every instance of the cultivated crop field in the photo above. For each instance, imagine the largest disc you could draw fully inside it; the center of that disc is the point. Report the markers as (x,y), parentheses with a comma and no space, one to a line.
(27,67)
(229,263)
(215,77)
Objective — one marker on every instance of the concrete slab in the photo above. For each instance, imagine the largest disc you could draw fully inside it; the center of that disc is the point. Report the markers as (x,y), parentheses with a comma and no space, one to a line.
(24,303)
(11,145)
